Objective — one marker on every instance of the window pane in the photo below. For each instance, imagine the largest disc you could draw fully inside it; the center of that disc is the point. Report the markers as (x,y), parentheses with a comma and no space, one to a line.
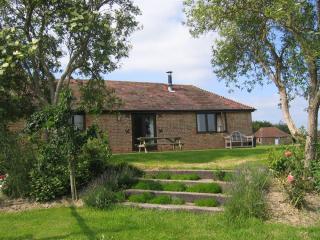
(78,121)
(220,122)
(201,121)
(211,122)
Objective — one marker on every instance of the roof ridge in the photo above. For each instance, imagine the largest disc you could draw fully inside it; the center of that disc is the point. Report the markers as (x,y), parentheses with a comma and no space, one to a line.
(228,99)
(128,81)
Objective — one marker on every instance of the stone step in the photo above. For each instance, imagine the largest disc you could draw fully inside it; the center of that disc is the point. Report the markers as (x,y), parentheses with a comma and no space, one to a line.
(189,208)
(204,174)
(225,185)
(186,196)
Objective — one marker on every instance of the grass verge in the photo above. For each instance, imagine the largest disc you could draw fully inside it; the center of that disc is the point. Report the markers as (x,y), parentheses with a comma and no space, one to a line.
(123,223)
(202,159)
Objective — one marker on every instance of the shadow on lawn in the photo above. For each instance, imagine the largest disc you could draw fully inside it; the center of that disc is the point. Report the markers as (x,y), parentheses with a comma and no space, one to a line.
(82,224)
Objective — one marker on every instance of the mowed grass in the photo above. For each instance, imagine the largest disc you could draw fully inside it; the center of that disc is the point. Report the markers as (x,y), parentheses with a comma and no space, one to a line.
(136,224)
(202,159)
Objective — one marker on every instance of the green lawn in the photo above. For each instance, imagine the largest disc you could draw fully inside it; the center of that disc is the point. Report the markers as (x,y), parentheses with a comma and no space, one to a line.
(130,224)
(202,159)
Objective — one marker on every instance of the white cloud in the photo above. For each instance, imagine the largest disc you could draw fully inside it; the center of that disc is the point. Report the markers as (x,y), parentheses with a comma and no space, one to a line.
(165,44)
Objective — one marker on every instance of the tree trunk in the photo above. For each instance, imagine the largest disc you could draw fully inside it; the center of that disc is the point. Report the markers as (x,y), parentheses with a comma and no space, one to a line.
(286,113)
(73,187)
(312,135)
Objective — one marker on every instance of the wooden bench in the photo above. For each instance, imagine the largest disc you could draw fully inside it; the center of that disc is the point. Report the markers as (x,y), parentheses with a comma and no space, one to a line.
(147,142)
(237,139)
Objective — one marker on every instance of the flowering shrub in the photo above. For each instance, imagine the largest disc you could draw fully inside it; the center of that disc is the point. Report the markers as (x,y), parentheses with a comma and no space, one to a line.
(287,164)
(2,180)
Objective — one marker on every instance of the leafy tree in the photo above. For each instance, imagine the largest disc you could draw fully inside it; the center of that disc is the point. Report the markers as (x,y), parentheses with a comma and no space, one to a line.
(65,144)
(15,97)
(66,37)
(263,42)
(42,39)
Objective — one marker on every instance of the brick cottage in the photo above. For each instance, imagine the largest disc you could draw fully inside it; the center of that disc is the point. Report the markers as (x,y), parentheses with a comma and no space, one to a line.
(200,118)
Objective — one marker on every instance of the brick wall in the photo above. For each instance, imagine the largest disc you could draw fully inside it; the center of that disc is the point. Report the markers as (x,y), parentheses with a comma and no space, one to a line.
(118,127)
(179,124)
(271,141)
(184,125)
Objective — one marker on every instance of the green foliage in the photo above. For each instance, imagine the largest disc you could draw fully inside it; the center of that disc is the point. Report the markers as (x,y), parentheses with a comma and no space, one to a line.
(133,223)
(126,174)
(206,202)
(66,154)
(148,185)
(154,185)
(191,176)
(153,199)
(316,175)
(92,35)
(250,45)
(175,186)
(223,175)
(167,175)
(141,198)
(93,159)
(106,189)
(292,164)
(161,199)
(284,165)
(15,98)
(247,198)
(16,160)
(95,97)
(205,188)
(102,197)
(222,158)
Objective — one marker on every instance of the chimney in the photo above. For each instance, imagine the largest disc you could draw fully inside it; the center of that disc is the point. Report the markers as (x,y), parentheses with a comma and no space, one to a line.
(170,85)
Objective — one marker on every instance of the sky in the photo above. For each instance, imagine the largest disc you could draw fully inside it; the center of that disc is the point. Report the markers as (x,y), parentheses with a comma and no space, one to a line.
(164,44)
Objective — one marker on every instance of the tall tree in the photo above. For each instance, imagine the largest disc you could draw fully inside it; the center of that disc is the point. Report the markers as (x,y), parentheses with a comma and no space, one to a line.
(68,37)
(256,45)
(50,38)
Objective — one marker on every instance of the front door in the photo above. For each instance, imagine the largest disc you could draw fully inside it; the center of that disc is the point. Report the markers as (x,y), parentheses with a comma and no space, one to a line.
(143,125)
(276,141)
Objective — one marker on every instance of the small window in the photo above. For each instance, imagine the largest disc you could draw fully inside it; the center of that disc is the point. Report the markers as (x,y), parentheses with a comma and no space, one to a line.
(78,121)
(201,120)
(212,125)
(207,122)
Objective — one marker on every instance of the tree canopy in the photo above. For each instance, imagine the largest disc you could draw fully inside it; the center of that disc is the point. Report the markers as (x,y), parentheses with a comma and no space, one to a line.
(65,38)
(262,42)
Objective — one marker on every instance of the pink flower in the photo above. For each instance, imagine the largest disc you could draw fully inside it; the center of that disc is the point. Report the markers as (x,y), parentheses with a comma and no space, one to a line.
(290,178)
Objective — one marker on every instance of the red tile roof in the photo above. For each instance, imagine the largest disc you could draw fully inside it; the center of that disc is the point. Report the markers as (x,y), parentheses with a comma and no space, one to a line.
(270,132)
(143,96)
